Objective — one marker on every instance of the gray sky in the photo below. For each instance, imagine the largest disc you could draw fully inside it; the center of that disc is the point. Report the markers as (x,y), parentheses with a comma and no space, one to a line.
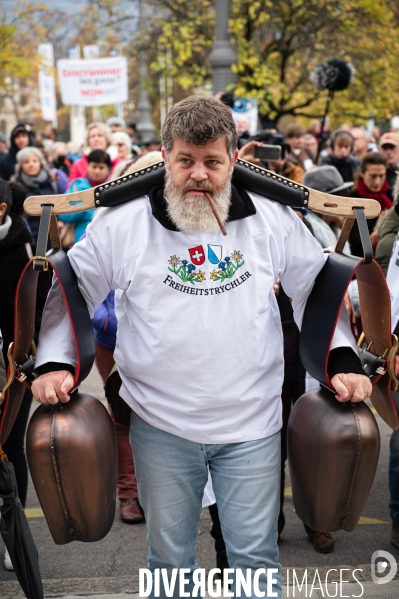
(71,6)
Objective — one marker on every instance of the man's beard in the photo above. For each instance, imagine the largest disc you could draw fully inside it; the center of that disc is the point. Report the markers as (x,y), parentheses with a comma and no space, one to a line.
(193,213)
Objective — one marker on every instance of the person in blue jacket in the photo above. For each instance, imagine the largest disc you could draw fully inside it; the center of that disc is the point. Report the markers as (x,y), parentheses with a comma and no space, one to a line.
(98,171)
(105,325)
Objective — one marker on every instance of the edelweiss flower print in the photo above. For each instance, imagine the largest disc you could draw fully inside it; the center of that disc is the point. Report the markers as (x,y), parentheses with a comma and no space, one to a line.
(214,268)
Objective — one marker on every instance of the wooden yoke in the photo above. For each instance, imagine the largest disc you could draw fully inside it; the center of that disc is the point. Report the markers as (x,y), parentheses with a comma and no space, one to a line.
(246,175)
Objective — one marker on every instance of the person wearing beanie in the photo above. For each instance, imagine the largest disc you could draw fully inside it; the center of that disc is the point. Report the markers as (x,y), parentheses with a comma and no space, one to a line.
(21,137)
(389,146)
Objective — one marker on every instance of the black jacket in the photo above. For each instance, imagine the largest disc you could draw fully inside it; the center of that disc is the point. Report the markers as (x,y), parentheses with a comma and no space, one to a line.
(49,187)
(347,167)
(13,258)
(8,161)
(354,236)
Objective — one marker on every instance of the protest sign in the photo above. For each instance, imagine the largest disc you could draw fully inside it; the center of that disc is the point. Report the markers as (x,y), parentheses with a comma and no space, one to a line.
(95,82)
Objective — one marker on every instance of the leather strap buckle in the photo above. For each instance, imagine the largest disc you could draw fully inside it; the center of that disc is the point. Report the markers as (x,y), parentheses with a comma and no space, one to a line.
(42,267)
(382,364)
(16,372)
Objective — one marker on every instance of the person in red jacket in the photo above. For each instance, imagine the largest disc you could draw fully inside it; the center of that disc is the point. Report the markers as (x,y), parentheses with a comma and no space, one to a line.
(371,184)
(98,138)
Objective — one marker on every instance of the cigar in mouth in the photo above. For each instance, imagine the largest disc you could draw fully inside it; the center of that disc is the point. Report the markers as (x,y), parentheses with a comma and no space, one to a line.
(215,214)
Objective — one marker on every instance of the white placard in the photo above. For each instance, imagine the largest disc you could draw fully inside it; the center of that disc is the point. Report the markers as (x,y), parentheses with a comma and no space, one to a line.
(90,52)
(46,52)
(47,97)
(94,82)
(46,83)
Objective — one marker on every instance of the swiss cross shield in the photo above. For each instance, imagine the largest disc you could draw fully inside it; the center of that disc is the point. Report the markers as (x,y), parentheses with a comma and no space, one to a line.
(197,255)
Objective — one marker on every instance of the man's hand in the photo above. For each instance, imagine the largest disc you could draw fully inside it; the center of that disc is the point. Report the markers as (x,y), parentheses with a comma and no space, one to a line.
(53,387)
(353,387)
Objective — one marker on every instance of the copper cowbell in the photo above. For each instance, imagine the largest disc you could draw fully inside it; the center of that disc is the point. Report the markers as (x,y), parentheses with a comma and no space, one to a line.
(333,451)
(72,457)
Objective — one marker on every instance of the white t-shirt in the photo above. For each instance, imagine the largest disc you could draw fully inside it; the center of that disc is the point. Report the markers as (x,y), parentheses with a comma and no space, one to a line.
(199,350)
(393,282)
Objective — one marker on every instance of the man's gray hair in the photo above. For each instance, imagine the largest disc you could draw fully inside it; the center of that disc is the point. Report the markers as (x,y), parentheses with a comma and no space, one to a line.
(198,121)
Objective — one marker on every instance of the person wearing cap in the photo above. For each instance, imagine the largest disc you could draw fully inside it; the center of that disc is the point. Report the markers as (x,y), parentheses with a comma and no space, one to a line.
(21,137)
(116,124)
(326,229)
(389,146)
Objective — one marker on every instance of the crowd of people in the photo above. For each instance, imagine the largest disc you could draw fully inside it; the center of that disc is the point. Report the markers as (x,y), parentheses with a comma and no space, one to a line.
(347,162)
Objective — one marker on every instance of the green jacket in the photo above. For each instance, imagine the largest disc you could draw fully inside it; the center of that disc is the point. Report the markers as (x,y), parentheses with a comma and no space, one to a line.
(387,233)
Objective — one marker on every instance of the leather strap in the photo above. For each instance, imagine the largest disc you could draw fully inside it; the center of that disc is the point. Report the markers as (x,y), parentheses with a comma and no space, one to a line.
(321,315)
(253,178)
(344,235)
(364,235)
(363,231)
(21,361)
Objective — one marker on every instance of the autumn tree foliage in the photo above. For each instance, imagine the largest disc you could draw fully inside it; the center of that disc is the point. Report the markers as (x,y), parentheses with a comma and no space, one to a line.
(277,43)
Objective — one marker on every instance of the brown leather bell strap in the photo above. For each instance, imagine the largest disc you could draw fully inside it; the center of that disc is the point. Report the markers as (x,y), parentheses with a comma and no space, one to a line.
(322,312)
(21,366)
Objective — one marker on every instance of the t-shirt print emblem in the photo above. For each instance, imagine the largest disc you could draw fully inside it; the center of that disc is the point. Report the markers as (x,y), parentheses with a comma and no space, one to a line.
(185,271)
(197,255)
(222,269)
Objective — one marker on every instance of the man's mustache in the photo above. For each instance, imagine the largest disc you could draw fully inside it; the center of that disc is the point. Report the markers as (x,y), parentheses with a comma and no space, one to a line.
(192,184)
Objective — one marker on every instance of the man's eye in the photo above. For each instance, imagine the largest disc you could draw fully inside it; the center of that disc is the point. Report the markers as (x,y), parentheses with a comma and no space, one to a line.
(213,162)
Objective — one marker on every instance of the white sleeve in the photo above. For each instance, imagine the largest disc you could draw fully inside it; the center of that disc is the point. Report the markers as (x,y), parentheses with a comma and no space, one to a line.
(94,273)
(304,259)
(393,282)
(56,342)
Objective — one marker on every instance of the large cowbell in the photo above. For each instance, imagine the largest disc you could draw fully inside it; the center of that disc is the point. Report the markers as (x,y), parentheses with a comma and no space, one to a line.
(333,447)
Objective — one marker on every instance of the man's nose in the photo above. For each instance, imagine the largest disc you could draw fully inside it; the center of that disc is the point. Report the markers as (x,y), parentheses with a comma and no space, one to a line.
(199,172)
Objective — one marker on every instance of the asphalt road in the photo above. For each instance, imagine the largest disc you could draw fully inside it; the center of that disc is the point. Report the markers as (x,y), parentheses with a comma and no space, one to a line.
(123,551)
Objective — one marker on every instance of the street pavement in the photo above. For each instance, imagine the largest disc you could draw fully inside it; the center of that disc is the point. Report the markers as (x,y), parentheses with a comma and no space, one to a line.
(110,568)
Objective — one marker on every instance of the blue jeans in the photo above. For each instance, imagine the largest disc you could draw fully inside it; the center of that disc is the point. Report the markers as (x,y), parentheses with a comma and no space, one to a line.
(394,476)
(171,475)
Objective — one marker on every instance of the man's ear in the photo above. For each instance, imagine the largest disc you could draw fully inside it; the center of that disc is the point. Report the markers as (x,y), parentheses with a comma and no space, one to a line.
(234,160)
(164,156)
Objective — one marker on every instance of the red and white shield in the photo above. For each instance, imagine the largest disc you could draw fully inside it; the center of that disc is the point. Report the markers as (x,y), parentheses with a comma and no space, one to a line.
(197,255)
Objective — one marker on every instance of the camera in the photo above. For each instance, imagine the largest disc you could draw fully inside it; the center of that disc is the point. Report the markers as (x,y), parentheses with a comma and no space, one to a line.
(267,152)
(273,148)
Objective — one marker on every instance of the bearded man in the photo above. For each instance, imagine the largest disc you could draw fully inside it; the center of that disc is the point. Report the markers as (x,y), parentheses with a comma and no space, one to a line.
(199,347)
